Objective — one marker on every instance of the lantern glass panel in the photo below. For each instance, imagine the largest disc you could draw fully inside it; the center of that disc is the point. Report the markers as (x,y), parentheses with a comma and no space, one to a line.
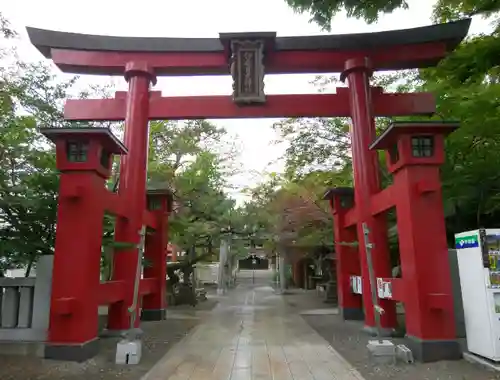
(422,146)
(154,203)
(77,151)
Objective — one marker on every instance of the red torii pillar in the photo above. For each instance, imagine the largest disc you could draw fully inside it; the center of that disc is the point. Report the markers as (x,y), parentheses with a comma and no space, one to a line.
(154,304)
(132,188)
(346,253)
(367,182)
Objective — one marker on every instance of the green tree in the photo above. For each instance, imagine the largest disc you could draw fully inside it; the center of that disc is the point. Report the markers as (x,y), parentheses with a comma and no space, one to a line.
(322,12)
(31,96)
(196,160)
(6,28)
(290,211)
(329,137)
(472,60)
(470,179)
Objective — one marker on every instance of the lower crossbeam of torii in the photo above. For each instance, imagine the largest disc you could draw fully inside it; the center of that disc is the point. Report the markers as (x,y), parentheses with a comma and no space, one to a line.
(223,107)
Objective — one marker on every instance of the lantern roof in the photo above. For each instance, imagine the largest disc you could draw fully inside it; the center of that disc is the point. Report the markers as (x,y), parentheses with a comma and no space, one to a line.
(342,191)
(391,134)
(104,135)
(159,188)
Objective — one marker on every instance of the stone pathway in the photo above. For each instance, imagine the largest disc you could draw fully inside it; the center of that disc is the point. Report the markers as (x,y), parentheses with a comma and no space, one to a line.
(253,335)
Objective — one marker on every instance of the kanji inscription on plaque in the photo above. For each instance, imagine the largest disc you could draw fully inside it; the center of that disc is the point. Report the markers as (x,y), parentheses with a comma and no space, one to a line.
(247,70)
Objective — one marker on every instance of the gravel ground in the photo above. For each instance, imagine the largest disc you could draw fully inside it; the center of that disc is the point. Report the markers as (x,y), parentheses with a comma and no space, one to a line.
(158,338)
(350,342)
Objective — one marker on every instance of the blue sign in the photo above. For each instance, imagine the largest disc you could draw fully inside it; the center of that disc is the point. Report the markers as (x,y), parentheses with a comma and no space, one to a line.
(470,241)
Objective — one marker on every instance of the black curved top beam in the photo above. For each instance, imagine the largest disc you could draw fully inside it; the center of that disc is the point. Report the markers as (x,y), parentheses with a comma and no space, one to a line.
(451,33)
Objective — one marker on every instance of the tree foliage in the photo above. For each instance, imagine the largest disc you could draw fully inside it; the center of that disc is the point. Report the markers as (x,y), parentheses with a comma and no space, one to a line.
(290,212)
(466,85)
(29,97)
(470,62)
(322,12)
(195,159)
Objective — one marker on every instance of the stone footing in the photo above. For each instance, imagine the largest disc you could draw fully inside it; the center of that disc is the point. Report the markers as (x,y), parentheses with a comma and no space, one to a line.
(434,350)
(154,315)
(351,314)
(72,352)
(135,333)
(384,332)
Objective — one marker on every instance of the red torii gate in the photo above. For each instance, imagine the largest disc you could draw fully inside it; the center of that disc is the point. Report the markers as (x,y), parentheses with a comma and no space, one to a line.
(248,57)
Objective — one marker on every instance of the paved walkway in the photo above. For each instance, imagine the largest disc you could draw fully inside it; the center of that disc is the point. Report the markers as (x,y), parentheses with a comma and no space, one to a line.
(252,335)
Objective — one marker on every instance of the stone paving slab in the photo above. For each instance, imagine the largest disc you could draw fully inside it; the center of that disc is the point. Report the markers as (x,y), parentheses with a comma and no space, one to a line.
(325,311)
(253,335)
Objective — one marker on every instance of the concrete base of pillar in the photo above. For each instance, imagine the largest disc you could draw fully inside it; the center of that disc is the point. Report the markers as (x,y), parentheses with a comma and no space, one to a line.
(154,315)
(385,332)
(72,352)
(434,350)
(129,333)
(351,314)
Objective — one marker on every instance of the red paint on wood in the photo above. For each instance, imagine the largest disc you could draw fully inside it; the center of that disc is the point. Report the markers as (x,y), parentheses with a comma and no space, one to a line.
(77,260)
(277,62)
(351,217)
(346,256)
(348,265)
(63,306)
(367,183)
(114,204)
(398,289)
(156,255)
(73,191)
(223,107)
(111,292)
(424,254)
(132,190)
(383,200)
(148,286)
(437,301)
(150,219)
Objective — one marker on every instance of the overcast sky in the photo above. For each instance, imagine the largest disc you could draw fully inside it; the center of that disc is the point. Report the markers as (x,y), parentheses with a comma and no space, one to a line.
(204,18)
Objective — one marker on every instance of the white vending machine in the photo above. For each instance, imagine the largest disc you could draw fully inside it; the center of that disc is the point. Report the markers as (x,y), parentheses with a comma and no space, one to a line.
(478,254)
